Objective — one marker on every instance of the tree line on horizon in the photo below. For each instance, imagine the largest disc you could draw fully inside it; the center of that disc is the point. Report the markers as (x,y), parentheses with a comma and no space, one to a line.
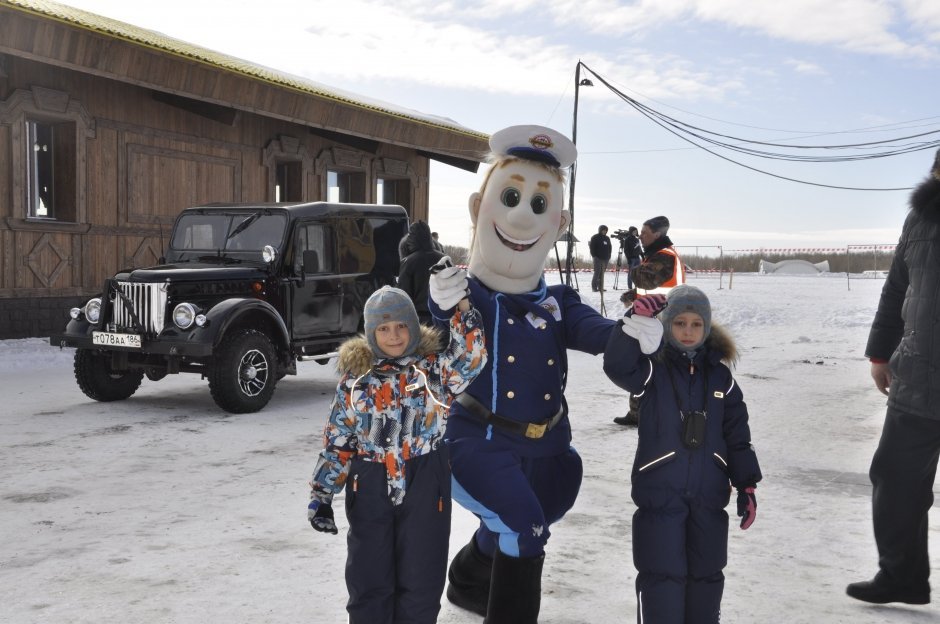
(839,262)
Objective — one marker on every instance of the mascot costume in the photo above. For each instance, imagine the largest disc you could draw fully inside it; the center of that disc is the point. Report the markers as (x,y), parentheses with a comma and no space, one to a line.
(508,434)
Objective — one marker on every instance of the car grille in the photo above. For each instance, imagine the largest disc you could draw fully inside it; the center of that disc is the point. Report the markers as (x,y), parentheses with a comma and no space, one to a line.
(148,302)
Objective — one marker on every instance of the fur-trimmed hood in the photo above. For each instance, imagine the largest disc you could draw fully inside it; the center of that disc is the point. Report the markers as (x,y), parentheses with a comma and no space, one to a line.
(720,344)
(925,199)
(356,357)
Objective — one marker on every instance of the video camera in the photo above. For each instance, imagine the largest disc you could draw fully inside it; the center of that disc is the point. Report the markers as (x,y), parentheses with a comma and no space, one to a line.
(621,235)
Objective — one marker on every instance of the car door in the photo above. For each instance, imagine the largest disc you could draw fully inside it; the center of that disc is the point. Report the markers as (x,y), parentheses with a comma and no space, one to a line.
(317,301)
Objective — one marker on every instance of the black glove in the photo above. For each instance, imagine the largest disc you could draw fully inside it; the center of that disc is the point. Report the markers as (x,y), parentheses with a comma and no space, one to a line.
(320,516)
(747,506)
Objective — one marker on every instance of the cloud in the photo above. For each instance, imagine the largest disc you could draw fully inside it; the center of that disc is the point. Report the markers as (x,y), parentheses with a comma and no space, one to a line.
(925,15)
(806,67)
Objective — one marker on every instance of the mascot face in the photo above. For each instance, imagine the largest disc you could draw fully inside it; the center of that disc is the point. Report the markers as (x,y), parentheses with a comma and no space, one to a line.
(517,216)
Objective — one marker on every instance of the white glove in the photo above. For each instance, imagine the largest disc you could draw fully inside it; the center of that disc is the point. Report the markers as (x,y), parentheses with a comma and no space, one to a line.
(448,284)
(647,331)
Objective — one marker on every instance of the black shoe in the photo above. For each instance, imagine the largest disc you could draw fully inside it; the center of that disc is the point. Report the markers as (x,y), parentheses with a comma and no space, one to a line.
(629,420)
(877,592)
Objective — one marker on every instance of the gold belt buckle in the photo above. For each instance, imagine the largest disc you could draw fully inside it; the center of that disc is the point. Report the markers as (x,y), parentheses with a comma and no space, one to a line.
(535,431)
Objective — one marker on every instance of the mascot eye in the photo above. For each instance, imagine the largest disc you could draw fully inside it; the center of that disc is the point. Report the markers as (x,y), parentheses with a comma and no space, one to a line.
(511,197)
(539,204)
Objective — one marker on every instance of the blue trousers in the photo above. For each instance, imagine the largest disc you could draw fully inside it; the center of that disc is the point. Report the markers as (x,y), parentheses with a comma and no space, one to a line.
(680,547)
(397,555)
(516,498)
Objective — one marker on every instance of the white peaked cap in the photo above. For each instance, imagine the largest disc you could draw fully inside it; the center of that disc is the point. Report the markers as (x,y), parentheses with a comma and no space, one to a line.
(536,143)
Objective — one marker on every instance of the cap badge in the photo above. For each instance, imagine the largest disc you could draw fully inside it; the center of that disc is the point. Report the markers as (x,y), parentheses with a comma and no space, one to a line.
(541,141)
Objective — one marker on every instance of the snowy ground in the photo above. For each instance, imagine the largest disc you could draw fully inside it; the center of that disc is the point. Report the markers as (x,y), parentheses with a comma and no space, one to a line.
(164,509)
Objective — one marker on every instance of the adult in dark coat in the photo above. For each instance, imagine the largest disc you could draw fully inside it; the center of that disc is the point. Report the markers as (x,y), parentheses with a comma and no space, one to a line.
(600,252)
(415,269)
(904,349)
(633,251)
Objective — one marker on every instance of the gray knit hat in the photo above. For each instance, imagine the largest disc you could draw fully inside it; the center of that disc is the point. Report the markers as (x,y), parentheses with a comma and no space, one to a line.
(391,304)
(685,298)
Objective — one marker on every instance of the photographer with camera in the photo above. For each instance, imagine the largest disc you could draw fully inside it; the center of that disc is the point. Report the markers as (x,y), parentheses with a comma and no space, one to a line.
(600,252)
(631,248)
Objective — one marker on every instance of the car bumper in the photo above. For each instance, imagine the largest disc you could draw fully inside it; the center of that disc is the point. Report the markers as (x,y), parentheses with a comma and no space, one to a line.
(166,347)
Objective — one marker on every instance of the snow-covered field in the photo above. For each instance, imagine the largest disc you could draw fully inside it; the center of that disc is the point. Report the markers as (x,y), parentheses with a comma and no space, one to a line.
(162,508)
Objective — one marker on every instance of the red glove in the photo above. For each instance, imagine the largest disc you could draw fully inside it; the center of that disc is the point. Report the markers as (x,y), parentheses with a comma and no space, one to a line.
(649,305)
(747,506)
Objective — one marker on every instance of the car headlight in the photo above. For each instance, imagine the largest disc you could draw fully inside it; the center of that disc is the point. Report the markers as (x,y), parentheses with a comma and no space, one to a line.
(184,315)
(269,254)
(93,310)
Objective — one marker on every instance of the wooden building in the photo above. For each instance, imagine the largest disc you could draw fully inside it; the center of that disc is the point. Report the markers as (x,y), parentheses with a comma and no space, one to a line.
(108,130)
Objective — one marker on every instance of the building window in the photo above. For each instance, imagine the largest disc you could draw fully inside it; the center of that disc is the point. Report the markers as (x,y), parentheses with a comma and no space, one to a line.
(392,191)
(289,185)
(51,171)
(345,186)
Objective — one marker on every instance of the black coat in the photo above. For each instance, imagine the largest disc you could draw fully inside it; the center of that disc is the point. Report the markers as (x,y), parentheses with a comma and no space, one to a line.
(905,329)
(600,246)
(414,275)
(631,247)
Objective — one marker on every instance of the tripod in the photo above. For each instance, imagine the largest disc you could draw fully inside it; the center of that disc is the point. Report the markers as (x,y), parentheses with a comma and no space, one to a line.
(619,264)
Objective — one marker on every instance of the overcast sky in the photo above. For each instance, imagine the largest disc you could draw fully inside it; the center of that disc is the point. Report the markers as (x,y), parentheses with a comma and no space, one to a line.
(807,72)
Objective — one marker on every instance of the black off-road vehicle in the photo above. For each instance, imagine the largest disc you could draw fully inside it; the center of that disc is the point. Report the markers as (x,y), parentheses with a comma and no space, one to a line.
(244,292)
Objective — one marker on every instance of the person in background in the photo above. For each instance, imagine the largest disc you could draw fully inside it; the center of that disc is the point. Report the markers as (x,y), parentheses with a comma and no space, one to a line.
(633,250)
(406,245)
(437,244)
(904,349)
(693,447)
(660,270)
(414,274)
(383,442)
(600,248)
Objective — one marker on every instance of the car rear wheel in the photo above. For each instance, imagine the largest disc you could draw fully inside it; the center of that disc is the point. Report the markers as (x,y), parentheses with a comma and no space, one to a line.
(243,372)
(99,381)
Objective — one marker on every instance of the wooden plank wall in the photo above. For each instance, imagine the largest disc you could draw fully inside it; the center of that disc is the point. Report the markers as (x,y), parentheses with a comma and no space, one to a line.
(146,160)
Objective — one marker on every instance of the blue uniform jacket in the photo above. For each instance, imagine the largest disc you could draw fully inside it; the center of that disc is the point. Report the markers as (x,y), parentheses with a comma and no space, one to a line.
(527,336)
(663,466)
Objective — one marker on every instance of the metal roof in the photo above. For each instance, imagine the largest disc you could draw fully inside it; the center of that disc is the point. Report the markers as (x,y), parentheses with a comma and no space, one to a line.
(158,41)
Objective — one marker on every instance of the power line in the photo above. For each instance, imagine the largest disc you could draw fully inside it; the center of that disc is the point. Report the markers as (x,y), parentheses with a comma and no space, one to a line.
(684,131)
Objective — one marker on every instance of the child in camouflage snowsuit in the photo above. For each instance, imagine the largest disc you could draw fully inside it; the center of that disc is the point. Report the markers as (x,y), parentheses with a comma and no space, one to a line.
(383,442)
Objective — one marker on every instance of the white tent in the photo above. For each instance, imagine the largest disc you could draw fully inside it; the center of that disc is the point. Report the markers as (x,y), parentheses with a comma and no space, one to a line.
(793,267)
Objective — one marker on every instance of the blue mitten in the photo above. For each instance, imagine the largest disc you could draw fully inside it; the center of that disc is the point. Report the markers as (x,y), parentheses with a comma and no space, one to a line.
(320,516)
(647,331)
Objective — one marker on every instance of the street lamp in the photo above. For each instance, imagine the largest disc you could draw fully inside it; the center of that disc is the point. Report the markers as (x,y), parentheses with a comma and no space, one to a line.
(569,257)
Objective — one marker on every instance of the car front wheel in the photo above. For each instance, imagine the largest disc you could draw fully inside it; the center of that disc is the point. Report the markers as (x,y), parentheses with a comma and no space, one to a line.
(99,381)
(243,372)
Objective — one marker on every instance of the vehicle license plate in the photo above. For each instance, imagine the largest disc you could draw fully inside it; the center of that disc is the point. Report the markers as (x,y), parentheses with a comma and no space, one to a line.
(109,339)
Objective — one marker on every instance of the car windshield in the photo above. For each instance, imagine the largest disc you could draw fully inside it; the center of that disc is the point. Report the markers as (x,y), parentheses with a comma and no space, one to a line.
(228,232)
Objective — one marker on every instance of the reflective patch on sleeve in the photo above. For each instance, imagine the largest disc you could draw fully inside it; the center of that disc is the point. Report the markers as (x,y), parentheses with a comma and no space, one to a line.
(719,394)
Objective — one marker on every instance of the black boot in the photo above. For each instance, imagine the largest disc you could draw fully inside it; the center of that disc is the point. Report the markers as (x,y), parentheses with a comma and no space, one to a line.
(880,591)
(469,577)
(516,590)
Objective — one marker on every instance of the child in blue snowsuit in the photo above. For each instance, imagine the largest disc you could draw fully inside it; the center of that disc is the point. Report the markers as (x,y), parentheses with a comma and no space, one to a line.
(694,446)
(383,442)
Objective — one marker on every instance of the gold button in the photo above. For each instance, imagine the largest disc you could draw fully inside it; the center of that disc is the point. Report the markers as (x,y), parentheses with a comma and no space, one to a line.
(510,321)
(547,397)
(511,359)
(543,326)
(510,394)
(551,362)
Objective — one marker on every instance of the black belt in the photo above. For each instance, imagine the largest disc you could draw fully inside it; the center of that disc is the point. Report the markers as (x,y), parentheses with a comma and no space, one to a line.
(529,430)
